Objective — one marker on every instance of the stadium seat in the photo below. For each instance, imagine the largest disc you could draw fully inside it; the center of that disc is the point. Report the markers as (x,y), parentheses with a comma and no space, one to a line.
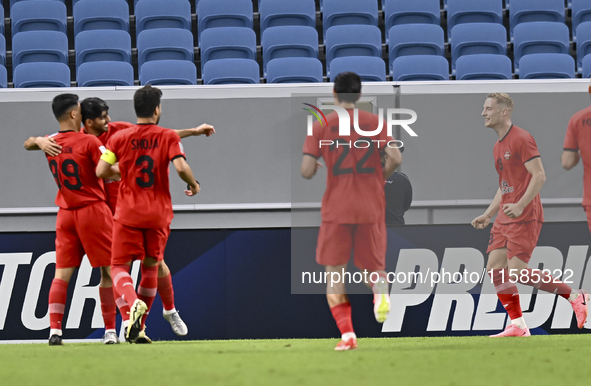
(586,67)
(228,43)
(38,16)
(151,14)
(231,71)
(101,74)
(468,11)
(540,37)
(583,42)
(420,68)
(478,38)
(294,70)
(347,12)
(369,69)
(1,20)
(105,14)
(411,12)
(275,13)
(581,13)
(415,39)
(164,44)
(352,40)
(39,46)
(289,42)
(168,72)
(524,11)
(547,66)
(41,75)
(223,13)
(2,50)
(483,67)
(3,77)
(103,45)
(13,2)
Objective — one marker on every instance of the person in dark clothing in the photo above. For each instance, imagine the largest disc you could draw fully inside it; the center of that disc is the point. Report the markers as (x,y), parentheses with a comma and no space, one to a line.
(398,198)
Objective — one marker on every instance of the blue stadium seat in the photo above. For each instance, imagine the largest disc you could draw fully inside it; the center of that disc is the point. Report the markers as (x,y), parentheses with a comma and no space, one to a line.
(347,12)
(39,46)
(13,2)
(581,13)
(369,69)
(415,39)
(469,11)
(3,77)
(289,42)
(275,13)
(105,14)
(524,11)
(586,67)
(150,14)
(583,42)
(1,20)
(547,66)
(352,40)
(478,38)
(420,68)
(540,37)
(164,44)
(41,75)
(223,13)
(483,67)
(168,72)
(411,12)
(38,16)
(103,45)
(294,70)
(231,71)
(228,43)
(2,50)
(102,74)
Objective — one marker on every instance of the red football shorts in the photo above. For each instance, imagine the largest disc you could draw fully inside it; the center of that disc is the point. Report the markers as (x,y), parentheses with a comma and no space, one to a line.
(588,212)
(85,229)
(368,242)
(520,238)
(131,243)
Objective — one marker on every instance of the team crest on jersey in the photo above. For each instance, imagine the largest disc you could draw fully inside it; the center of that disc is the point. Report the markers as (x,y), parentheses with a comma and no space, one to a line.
(507,155)
(505,188)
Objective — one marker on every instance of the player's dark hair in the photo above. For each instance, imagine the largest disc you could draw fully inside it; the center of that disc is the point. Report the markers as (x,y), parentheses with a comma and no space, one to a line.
(145,101)
(62,104)
(347,85)
(93,108)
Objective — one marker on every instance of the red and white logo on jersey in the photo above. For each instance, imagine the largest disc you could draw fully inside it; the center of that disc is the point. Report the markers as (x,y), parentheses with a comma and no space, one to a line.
(507,155)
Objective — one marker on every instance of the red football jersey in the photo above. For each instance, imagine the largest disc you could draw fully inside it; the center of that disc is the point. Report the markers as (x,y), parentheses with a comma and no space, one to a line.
(74,170)
(578,138)
(144,153)
(511,153)
(354,184)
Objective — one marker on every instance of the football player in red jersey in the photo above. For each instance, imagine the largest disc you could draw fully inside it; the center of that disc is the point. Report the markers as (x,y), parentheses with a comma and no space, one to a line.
(84,221)
(515,232)
(96,121)
(354,204)
(144,207)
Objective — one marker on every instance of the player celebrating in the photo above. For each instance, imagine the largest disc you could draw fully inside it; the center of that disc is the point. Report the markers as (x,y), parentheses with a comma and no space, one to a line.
(144,207)
(515,233)
(353,206)
(84,221)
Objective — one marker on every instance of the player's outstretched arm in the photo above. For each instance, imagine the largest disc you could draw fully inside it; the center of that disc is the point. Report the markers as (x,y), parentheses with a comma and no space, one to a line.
(206,129)
(186,174)
(483,220)
(47,144)
(310,166)
(538,177)
(570,158)
(393,160)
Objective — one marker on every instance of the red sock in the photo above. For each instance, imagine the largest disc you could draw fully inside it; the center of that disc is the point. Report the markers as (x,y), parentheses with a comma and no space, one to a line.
(58,294)
(108,307)
(166,292)
(122,283)
(342,315)
(544,281)
(122,305)
(148,287)
(507,293)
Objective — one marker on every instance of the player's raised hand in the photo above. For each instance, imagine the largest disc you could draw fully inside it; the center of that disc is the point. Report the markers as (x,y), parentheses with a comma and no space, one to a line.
(481,221)
(206,129)
(512,210)
(48,145)
(193,189)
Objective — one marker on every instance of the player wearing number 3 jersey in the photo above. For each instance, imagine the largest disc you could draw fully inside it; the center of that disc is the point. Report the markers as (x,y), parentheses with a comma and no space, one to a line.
(144,206)
(354,204)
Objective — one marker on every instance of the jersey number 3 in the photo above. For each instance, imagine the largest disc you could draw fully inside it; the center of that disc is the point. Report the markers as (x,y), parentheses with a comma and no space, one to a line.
(148,170)
(73,173)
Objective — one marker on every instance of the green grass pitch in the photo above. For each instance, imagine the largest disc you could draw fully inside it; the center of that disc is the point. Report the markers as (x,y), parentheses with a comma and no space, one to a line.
(539,360)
